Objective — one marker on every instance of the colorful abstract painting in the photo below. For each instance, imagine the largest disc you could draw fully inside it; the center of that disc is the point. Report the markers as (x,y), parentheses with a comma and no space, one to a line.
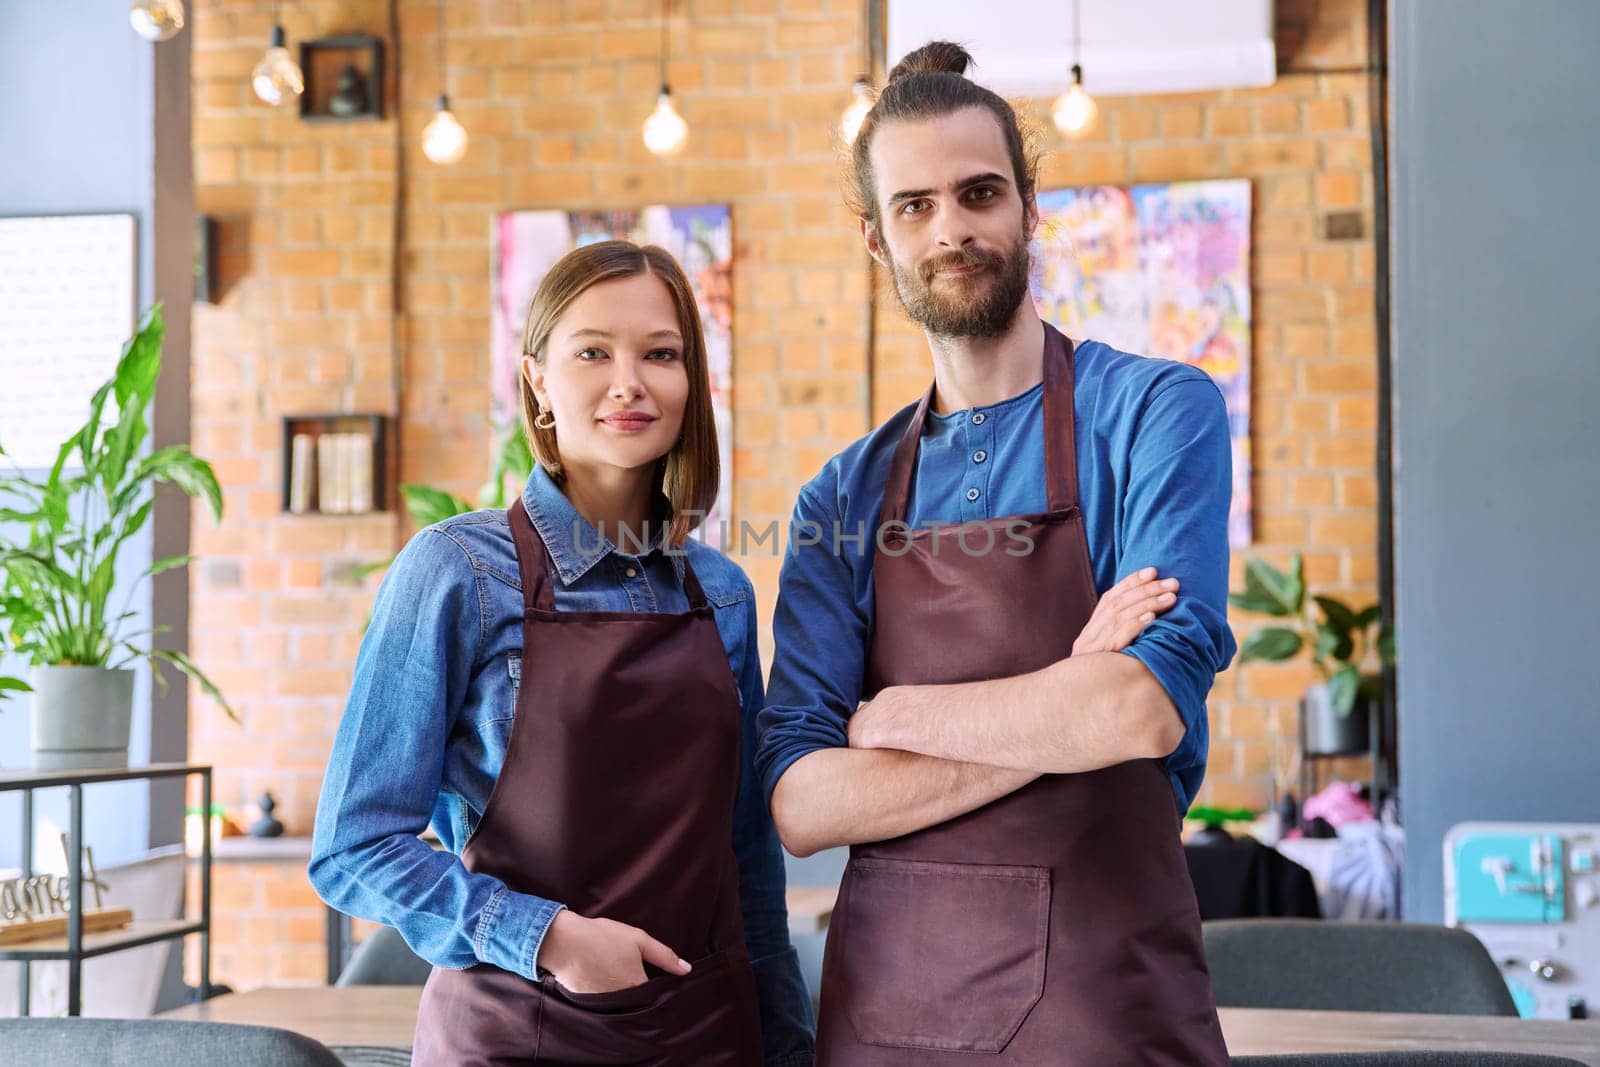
(528,243)
(1159,270)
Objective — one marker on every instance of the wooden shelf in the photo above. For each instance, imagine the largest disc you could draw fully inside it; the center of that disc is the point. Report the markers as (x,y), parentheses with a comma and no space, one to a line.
(134,934)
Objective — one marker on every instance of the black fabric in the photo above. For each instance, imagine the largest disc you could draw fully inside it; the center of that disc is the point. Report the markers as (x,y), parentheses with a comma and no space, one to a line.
(156,1043)
(1244,879)
(1353,966)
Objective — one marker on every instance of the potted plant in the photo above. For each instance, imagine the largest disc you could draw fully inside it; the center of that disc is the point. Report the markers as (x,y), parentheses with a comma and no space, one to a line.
(56,578)
(1342,646)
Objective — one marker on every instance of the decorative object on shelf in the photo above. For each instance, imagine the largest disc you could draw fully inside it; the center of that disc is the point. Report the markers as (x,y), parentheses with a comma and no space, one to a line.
(36,906)
(444,139)
(58,565)
(699,236)
(665,131)
(266,826)
(1074,111)
(426,505)
(156,20)
(195,828)
(1162,270)
(343,78)
(335,464)
(277,79)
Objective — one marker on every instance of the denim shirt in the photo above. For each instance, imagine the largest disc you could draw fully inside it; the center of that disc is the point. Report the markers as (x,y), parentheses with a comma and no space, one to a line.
(425,730)
(1154,485)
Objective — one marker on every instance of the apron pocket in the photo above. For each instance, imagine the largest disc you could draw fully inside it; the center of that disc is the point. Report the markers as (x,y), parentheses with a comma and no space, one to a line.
(640,998)
(669,1019)
(947,956)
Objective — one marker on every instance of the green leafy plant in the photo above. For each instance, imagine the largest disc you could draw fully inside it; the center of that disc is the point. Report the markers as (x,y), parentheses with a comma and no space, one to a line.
(1340,639)
(1216,816)
(513,463)
(56,580)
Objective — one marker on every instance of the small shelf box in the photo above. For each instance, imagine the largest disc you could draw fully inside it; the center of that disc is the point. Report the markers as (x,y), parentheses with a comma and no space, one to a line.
(335,464)
(326,63)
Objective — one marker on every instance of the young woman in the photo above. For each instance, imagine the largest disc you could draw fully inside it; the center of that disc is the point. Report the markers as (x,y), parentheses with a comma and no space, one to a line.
(567,691)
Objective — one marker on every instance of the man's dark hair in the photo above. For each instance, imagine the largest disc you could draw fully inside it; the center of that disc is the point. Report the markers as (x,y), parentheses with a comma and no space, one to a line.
(926,84)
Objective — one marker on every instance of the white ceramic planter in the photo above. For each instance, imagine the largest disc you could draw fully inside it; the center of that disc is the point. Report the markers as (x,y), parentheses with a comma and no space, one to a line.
(80,717)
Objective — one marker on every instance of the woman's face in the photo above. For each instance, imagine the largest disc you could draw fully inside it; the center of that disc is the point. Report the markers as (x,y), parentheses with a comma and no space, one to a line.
(614,376)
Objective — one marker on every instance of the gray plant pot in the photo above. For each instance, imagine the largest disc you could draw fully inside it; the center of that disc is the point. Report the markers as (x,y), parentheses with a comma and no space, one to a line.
(1329,734)
(80,717)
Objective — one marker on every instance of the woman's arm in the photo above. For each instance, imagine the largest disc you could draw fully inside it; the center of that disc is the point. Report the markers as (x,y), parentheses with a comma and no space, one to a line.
(384,773)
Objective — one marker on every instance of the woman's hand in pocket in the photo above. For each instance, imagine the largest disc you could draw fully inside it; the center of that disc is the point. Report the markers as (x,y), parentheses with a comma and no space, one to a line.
(1125,610)
(601,955)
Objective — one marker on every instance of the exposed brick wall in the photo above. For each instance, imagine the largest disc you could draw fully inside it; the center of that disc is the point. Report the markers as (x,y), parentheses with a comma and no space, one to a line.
(552,95)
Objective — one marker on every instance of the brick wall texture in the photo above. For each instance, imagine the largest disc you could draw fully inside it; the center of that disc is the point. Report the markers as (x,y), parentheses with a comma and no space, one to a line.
(354,276)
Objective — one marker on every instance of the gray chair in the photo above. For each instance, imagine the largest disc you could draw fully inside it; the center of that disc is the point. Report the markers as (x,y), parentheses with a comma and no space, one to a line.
(1406,1059)
(384,958)
(1352,966)
(156,1043)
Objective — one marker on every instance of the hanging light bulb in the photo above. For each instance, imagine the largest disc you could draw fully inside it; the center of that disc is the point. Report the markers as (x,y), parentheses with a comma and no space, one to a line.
(856,113)
(665,131)
(444,140)
(277,78)
(1074,110)
(156,20)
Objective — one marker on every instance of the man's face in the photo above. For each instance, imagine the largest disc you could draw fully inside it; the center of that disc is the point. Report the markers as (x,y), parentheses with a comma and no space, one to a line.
(954,229)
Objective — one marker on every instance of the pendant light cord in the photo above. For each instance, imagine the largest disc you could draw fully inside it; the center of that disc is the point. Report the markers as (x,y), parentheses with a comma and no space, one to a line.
(665,4)
(442,86)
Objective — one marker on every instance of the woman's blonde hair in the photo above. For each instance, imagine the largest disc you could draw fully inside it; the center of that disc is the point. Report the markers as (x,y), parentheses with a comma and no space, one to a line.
(689,474)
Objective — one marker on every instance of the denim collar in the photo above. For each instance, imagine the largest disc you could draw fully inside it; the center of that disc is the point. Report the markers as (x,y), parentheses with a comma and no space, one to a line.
(574,545)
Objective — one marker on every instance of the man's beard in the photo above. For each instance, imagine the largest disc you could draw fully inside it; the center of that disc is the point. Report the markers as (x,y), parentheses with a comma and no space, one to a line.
(986,311)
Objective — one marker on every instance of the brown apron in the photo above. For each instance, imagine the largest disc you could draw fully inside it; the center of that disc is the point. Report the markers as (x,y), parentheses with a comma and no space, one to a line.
(616,799)
(1056,925)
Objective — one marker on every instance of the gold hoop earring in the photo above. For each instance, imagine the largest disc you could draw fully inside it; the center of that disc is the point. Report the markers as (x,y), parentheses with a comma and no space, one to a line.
(544,421)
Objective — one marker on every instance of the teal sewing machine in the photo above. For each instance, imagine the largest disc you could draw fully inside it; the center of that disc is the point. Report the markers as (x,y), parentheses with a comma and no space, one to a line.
(1531,893)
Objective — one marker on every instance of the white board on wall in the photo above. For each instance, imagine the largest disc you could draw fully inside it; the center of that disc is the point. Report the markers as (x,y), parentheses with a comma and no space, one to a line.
(67,291)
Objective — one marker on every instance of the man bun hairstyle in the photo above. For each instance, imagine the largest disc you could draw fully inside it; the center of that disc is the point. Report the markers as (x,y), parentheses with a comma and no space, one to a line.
(927,84)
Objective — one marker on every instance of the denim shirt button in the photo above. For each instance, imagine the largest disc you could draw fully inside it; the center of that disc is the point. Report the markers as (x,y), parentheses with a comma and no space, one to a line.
(632,572)
(979,456)
(978,418)
(973,494)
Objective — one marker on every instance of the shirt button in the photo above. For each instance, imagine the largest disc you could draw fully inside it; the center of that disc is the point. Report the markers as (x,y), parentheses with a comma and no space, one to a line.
(973,494)
(979,456)
(978,418)
(632,572)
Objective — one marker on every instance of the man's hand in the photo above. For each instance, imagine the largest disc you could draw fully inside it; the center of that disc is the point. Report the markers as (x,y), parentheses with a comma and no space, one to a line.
(600,955)
(1126,609)
(1119,616)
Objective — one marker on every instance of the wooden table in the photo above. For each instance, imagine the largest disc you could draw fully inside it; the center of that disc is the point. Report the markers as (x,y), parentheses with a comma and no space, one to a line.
(386,1016)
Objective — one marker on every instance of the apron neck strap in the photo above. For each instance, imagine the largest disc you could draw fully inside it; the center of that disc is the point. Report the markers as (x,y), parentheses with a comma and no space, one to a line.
(533,562)
(1060,447)
(1060,454)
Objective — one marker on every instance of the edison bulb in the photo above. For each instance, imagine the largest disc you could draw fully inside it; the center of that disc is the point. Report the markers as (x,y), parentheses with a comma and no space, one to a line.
(277,77)
(856,113)
(444,140)
(1074,110)
(665,131)
(156,20)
